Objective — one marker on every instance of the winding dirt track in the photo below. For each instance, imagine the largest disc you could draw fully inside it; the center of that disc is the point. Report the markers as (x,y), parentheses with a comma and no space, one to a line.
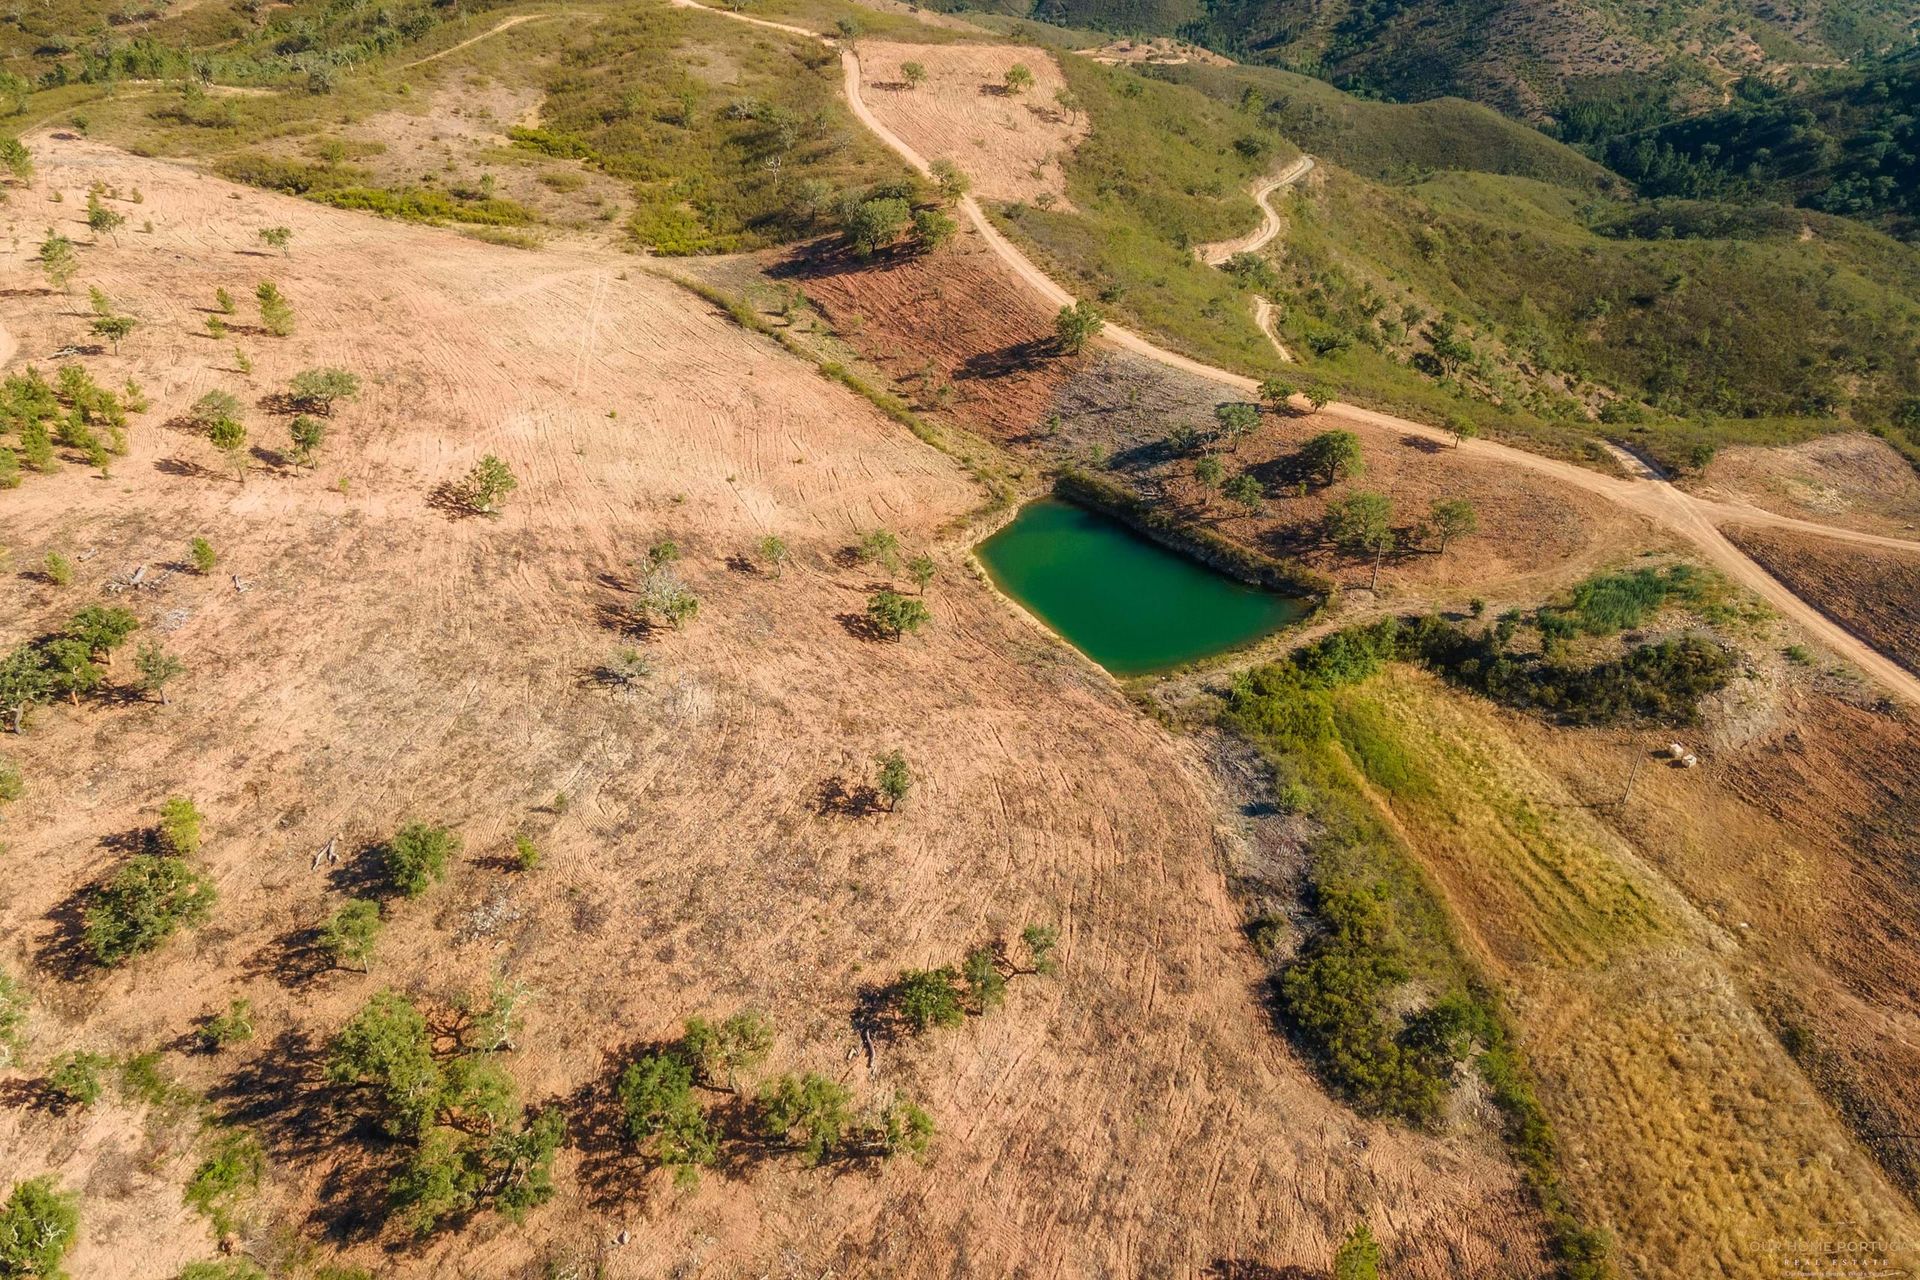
(488,34)
(1219,251)
(1690,518)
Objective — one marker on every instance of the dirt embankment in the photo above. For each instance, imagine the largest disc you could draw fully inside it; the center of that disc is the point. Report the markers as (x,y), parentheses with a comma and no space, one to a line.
(389,661)
(1852,480)
(1871,591)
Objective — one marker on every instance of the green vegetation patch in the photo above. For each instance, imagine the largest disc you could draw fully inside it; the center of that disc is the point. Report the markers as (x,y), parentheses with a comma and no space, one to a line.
(732,138)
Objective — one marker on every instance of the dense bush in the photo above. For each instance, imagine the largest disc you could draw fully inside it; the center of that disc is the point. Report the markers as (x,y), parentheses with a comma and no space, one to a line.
(37,1226)
(417,856)
(151,897)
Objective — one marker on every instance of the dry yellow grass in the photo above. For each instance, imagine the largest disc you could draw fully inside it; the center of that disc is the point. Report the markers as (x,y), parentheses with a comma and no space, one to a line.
(1688,1131)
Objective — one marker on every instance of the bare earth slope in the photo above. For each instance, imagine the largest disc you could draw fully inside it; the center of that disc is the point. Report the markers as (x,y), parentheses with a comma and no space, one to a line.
(388,661)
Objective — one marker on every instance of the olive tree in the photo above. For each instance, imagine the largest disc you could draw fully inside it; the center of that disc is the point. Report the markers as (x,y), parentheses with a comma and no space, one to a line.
(1077,325)
(871,225)
(894,779)
(662,1116)
(913,73)
(720,1051)
(1451,518)
(1362,524)
(317,389)
(348,936)
(1018,79)
(151,897)
(897,615)
(774,553)
(157,668)
(417,856)
(487,485)
(1332,456)
(58,261)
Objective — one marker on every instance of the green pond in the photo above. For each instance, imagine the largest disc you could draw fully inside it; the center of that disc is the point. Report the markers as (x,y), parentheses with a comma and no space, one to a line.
(1128,603)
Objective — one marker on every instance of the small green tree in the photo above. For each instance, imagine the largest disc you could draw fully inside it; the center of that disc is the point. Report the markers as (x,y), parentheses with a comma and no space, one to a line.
(663,1118)
(1276,393)
(986,986)
(526,854)
(1246,489)
(57,260)
(14,156)
(1236,420)
(487,486)
(871,225)
(57,568)
(178,831)
(101,628)
(37,1226)
(149,899)
(922,570)
(1462,428)
(809,1113)
(1452,518)
(317,389)
(12,785)
(953,184)
(212,407)
(1333,456)
(1362,524)
(223,302)
(229,436)
(881,547)
(1041,941)
(900,1128)
(102,220)
(894,779)
(201,553)
(1209,471)
(1358,1257)
(417,856)
(896,615)
(720,1051)
(913,73)
(232,1026)
(276,313)
(307,435)
(157,669)
(385,1050)
(927,998)
(276,237)
(349,935)
(1018,79)
(114,328)
(1077,325)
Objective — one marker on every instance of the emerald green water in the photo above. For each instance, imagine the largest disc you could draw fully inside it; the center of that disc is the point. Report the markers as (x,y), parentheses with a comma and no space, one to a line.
(1128,603)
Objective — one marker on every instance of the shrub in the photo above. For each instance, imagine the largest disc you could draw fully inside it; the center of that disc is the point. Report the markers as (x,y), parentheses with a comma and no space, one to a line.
(230,1172)
(774,554)
(37,1225)
(157,668)
(927,998)
(720,1051)
(276,237)
(487,485)
(201,552)
(57,568)
(178,831)
(808,1113)
(655,1093)
(897,615)
(1019,78)
(526,855)
(417,856)
(231,1027)
(317,389)
(932,229)
(149,899)
(1358,1257)
(14,1007)
(74,1079)
(349,934)
(226,1269)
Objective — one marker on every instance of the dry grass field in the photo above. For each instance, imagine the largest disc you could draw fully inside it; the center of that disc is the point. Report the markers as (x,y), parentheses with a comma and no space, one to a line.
(363,656)
(1011,144)
(1690,1132)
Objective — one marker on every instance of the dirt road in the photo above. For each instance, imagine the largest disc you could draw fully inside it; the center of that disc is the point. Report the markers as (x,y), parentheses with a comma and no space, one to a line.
(1219,251)
(1679,512)
(488,34)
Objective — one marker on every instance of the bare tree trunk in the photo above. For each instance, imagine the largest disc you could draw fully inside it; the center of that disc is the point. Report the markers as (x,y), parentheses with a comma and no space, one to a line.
(1379,554)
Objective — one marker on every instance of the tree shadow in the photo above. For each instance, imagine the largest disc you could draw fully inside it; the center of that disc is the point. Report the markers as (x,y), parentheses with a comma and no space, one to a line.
(186,468)
(1020,357)
(1421,444)
(364,875)
(837,798)
(63,952)
(861,627)
(294,959)
(1246,1269)
(447,499)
